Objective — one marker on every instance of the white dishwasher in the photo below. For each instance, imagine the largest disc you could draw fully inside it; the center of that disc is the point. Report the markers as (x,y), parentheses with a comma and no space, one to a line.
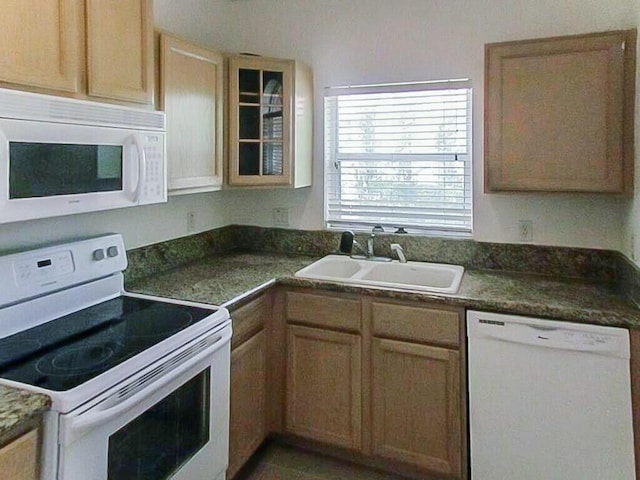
(548,400)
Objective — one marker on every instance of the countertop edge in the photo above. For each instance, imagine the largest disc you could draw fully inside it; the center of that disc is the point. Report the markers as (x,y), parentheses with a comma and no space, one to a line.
(20,410)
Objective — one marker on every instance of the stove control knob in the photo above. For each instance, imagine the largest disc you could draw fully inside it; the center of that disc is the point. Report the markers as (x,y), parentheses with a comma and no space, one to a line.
(112,251)
(98,254)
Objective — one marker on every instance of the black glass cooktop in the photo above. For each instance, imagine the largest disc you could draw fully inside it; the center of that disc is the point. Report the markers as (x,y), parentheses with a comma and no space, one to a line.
(66,352)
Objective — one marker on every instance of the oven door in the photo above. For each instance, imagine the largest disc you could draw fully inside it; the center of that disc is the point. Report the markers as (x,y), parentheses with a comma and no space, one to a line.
(170,420)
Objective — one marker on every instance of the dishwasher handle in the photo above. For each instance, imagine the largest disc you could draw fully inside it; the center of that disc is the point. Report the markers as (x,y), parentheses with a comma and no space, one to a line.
(555,338)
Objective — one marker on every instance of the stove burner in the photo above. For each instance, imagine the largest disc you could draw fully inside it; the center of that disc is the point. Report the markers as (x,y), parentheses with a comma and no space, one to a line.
(77,360)
(154,322)
(10,349)
(84,344)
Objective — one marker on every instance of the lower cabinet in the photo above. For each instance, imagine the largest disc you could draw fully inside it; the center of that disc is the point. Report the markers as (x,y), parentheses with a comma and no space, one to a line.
(248,401)
(247,422)
(19,459)
(415,392)
(388,387)
(379,380)
(324,385)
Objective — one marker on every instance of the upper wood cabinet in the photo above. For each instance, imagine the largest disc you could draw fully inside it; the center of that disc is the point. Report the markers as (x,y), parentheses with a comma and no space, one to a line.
(191,85)
(79,48)
(559,114)
(120,50)
(270,122)
(41,43)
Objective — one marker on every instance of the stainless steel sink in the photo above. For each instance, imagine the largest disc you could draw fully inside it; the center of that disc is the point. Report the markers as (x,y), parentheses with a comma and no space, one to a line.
(420,276)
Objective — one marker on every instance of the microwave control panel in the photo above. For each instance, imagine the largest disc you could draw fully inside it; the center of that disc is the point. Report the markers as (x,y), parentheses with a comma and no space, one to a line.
(154,188)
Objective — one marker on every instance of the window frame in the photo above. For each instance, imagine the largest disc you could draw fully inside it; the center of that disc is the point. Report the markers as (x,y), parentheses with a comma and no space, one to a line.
(392,88)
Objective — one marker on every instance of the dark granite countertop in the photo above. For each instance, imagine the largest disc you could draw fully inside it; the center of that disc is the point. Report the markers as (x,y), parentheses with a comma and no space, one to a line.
(232,279)
(225,279)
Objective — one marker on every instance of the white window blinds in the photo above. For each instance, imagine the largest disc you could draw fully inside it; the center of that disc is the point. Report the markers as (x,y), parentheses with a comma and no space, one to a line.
(399,156)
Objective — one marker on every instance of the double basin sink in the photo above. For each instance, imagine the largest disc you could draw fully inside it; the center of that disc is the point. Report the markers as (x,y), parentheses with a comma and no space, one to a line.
(418,276)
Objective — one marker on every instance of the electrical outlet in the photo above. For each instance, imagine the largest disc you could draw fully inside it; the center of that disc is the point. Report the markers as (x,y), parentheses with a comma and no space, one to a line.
(525,228)
(281,217)
(191,222)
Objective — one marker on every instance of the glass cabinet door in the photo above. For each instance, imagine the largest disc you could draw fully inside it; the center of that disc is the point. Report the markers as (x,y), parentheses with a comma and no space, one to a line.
(249,121)
(260,127)
(259,151)
(272,106)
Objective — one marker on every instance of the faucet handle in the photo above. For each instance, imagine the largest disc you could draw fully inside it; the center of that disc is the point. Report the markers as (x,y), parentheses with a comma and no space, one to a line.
(396,247)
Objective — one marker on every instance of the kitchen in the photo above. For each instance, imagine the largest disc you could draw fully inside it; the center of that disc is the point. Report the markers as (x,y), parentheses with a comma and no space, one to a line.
(344,46)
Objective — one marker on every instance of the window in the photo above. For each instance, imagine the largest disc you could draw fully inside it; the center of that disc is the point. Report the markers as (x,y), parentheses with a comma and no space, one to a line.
(399,155)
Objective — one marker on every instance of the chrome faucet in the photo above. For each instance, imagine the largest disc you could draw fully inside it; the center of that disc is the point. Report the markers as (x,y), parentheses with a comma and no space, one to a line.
(370,253)
(396,247)
(362,250)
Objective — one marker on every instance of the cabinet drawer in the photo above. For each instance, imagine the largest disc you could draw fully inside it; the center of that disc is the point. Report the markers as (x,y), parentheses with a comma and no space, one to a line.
(248,320)
(416,324)
(324,311)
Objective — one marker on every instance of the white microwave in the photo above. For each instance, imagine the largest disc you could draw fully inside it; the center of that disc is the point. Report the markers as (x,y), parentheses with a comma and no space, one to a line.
(60,156)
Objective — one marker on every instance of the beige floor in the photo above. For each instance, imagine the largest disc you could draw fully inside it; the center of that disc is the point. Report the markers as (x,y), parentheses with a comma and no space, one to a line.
(280,462)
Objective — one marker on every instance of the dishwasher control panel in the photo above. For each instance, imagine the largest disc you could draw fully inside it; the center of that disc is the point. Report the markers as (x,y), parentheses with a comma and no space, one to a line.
(538,332)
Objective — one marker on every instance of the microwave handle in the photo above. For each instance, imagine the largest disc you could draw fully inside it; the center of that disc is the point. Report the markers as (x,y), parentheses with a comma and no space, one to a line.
(142,168)
(95,416)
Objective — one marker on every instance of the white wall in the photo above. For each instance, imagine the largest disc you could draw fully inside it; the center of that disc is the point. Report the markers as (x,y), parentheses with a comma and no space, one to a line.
(363,41)
(366,41)
(139,225)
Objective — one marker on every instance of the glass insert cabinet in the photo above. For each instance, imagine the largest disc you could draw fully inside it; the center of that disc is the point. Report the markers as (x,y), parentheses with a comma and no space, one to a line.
(270,117)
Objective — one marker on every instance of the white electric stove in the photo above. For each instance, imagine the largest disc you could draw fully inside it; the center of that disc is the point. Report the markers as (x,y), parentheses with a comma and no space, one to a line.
(139,384)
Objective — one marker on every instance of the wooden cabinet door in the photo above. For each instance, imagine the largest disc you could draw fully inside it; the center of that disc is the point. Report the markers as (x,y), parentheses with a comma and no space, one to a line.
(41,43)
(324,399)
(192,98)
(247,421)
(416,405)
(19,459)
(260,105)
(558,114)
(120,50)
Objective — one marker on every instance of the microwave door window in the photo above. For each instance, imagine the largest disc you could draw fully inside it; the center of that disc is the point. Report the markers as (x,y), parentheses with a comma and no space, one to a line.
(51,169)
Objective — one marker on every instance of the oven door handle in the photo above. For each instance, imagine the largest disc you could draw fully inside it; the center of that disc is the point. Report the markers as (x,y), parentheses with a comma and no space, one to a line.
(107,410)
